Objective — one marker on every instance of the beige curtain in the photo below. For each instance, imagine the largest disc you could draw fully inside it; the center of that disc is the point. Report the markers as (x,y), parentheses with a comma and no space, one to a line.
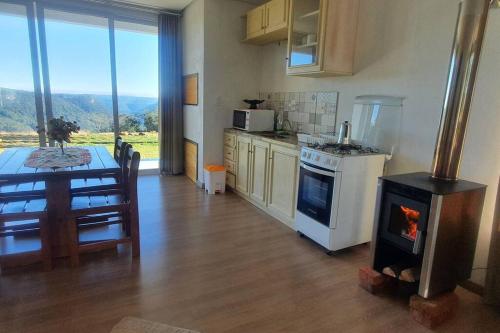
(170,109)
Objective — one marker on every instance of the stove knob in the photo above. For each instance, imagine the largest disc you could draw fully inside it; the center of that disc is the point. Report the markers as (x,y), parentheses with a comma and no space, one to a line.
(328,161)
(308,155)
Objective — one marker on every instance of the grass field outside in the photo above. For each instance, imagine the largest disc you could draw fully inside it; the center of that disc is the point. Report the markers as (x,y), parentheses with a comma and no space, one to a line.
(146,143)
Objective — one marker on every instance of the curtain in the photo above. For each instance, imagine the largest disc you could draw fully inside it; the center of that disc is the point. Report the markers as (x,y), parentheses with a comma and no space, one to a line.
(170,95)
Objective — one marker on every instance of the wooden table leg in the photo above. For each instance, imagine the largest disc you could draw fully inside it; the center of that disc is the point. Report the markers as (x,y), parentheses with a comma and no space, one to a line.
(58,206)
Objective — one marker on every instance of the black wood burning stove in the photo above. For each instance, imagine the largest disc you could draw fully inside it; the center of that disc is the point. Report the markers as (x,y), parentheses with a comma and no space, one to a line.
(429,225)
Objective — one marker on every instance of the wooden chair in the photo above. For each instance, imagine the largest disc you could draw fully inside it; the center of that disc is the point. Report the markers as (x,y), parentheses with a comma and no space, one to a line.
(107,207)
(104,182)
(27,216)
(118,150)
(14,189)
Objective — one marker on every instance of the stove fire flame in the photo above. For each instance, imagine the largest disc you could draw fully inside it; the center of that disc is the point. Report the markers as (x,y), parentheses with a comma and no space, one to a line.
(412,216)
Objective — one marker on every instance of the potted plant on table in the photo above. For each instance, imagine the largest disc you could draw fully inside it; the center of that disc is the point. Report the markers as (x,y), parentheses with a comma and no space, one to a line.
(60,131)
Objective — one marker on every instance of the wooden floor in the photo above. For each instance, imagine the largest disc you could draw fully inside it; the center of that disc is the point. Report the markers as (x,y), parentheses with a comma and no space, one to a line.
(213,264)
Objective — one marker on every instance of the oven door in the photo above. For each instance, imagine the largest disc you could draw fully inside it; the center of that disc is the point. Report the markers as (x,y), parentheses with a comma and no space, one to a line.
(240,120)
(315,197)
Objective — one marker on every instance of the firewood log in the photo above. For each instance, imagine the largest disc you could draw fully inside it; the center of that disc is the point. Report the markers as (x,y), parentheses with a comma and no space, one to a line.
(392,271)
(410,274)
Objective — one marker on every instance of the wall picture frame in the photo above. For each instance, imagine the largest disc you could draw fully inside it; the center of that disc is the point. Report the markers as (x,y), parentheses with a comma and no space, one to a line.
(190,90)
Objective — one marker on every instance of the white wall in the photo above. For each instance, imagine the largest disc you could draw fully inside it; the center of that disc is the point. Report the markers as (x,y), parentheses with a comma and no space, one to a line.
(231,71)
(193,62)
(403,49)
(481,160)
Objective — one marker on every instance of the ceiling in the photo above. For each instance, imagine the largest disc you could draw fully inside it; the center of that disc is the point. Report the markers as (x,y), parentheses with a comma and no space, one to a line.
(255,2)
(176,4)
(162,4)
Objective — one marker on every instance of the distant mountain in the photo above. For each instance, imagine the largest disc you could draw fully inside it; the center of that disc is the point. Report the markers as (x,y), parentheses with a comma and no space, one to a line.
(93,113)
(17,110)
(130,105)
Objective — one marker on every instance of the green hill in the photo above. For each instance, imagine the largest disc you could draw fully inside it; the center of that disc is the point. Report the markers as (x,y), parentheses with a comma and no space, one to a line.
(94,113)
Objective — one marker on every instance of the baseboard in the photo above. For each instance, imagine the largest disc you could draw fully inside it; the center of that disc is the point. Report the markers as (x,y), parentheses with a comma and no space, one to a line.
(200,184)
(149,172)
(472,287)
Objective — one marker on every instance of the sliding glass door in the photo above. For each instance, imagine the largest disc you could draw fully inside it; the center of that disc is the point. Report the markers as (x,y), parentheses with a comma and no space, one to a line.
(136,50)
(18,102)
(79,73)
(95,68)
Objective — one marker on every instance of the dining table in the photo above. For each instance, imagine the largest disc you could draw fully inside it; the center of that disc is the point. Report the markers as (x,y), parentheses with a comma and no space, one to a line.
(57,184)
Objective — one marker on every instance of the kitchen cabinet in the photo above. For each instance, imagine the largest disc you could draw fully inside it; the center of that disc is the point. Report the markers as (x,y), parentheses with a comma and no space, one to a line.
(266,173)
(284,164)
(259,161)
(243,164)
(268,22)
(255,22)
(322,37)
(230,159)
(277,16)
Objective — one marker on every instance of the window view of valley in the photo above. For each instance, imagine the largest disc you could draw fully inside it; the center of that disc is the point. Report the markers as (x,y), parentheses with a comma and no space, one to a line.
(138,121)
(80,79)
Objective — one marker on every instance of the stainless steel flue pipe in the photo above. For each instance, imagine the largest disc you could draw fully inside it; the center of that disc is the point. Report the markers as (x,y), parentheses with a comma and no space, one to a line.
(469,35)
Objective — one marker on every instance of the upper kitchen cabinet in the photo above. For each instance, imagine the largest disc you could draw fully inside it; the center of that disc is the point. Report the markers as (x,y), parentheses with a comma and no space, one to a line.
(322,37)
(255,23)
(268,23)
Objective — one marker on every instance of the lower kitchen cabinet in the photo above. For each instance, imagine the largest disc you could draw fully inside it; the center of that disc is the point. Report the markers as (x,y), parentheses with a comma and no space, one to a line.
(243,164)
(259,162)
(267,175)
(282,192)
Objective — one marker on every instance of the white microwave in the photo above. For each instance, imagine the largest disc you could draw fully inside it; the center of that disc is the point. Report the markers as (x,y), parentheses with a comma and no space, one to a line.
(253,120)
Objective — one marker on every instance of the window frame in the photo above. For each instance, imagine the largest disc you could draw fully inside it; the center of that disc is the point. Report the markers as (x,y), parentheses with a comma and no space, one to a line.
(35,65)
(36,17)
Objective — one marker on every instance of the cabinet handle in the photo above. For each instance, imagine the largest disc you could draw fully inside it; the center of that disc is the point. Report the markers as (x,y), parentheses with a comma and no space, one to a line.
(267,23)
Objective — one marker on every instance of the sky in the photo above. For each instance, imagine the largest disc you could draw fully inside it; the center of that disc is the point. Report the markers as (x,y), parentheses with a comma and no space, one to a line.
(79,58)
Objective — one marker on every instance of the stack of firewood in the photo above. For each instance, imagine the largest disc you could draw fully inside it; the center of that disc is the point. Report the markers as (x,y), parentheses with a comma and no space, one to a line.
(411,274)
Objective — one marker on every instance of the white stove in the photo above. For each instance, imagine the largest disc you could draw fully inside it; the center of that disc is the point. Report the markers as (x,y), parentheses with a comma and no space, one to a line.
(337,192)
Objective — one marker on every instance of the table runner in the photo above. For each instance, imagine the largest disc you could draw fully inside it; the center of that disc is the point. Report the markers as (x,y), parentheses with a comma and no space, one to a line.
(53,158)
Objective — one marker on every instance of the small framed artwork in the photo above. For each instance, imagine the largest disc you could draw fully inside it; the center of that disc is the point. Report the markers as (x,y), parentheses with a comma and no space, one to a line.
(191,89)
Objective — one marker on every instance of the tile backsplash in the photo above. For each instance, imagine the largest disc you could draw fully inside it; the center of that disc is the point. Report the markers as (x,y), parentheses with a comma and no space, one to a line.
(308,112)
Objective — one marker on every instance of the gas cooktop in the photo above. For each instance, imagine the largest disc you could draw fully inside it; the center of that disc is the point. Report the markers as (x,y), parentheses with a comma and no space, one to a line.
(345,149)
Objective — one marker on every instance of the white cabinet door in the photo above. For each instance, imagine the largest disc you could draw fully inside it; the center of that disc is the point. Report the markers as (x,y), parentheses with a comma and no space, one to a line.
(243,164)
(259,160)
(284,165)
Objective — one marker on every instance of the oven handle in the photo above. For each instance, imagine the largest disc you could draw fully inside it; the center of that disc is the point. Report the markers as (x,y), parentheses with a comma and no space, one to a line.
(321,172)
